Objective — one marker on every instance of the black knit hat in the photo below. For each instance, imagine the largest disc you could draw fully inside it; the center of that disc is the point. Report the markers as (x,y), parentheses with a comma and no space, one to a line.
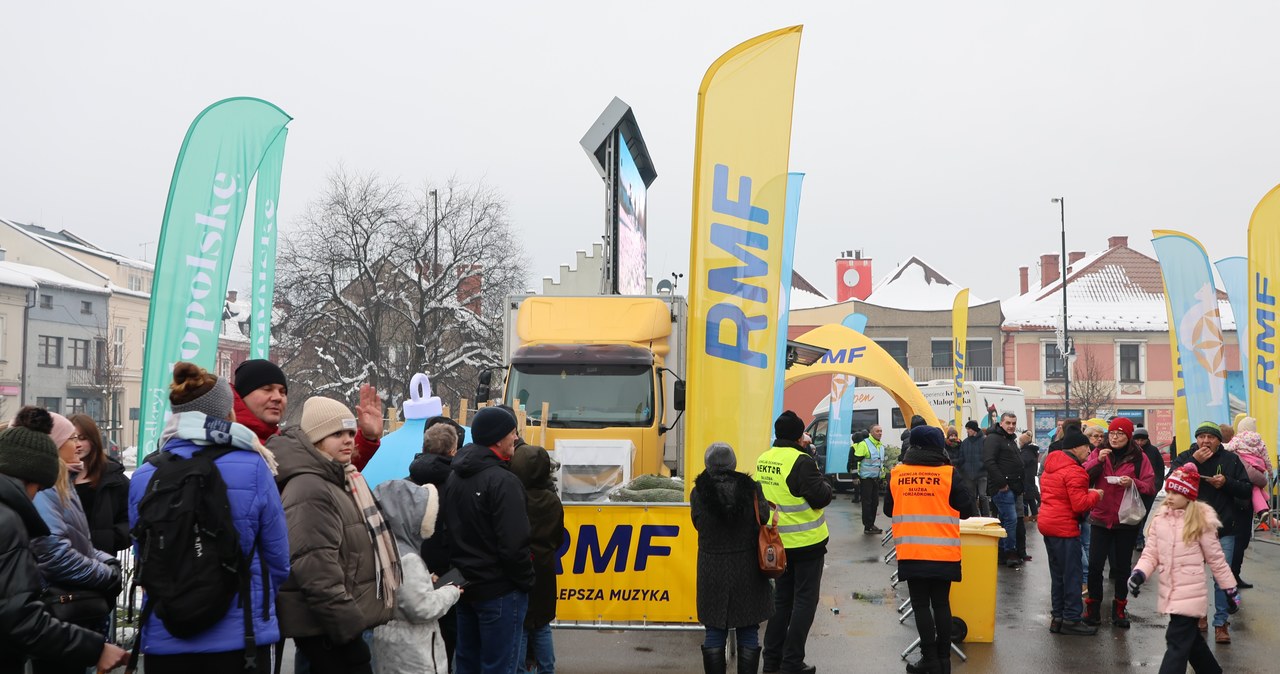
(28,455)
(1074,438)
(490,425)
(788,426)
(254,374)
(927,437)
(973,426)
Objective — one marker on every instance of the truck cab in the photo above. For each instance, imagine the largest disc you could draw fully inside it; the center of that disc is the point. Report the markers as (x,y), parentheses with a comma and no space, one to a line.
(606,368)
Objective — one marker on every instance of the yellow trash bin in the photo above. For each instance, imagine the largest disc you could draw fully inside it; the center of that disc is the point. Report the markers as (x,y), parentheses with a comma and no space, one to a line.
(973,599)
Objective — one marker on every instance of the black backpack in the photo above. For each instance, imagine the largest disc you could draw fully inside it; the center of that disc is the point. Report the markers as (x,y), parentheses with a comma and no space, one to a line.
(189,559)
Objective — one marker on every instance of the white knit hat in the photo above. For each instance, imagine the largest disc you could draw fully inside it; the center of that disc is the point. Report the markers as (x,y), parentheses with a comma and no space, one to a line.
(322,417)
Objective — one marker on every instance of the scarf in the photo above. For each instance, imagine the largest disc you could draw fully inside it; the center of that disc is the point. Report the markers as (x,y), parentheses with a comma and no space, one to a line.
(205,430)
(384,544)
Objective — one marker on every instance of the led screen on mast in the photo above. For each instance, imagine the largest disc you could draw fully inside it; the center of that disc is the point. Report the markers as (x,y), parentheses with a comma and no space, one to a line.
(631,234)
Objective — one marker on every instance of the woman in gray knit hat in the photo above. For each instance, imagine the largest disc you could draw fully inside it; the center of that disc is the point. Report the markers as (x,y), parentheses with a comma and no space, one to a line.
(727,508)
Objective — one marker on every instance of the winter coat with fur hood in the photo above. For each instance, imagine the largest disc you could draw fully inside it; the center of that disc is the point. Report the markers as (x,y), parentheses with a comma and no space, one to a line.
(1183,588)
(412,641)
(333,586)
(731,590)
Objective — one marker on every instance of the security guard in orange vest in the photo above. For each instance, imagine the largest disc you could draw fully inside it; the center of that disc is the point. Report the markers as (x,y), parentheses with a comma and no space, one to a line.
(927,500)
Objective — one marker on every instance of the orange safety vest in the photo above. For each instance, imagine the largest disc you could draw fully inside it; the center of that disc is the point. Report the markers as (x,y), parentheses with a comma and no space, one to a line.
(925,526)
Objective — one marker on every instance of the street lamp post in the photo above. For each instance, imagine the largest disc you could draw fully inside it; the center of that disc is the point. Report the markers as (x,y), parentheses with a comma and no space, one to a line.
(1066,336)
(435,233)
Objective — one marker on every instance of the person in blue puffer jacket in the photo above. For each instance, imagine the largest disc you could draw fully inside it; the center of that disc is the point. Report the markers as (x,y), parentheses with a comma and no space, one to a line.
(255,507)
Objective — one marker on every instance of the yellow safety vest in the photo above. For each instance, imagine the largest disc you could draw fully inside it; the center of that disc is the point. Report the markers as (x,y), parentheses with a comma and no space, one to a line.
(799,524)
(925,526)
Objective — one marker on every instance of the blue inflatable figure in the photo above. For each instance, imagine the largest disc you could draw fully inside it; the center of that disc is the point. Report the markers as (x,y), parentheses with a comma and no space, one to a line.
(399,447)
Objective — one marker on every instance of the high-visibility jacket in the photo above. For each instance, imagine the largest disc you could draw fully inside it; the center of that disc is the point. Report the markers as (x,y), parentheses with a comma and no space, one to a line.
(925,526)
(872,453)
(799,524)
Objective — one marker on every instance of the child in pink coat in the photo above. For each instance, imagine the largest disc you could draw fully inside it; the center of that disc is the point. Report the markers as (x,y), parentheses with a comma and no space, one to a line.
(1182,538)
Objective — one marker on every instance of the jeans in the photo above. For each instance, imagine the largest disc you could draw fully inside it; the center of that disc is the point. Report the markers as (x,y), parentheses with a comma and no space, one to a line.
(1112,547)
(1085,536)
(870,501)
(1020,527)
(1220,597)
(543,656)
(748,637)
(1005,505)
(1183,645)
(1065,576)
(931,604)
(795,601)
(489,632)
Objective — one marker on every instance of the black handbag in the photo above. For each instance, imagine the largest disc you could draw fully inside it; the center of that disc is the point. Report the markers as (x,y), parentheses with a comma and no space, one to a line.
(75,605)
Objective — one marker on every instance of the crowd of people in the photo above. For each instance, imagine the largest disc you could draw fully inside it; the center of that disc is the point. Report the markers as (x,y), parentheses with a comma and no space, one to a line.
(246,535)
(454,567)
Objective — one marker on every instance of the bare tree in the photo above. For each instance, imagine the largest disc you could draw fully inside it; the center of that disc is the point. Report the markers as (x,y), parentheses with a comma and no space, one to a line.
(1092,392)
(366,295)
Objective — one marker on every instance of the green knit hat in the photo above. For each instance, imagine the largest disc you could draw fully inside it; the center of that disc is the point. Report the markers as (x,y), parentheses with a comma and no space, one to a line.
(28,455)
(1210,428)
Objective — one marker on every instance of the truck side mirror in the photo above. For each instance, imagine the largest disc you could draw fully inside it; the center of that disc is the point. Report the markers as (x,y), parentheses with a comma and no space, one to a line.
(482,386)
(677,397)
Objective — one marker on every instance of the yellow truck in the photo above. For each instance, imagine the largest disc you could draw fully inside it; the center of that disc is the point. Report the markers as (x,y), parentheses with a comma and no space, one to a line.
(607,367)
(601,381)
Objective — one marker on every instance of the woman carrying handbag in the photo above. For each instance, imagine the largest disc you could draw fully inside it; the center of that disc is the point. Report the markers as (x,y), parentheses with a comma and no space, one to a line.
(727,508)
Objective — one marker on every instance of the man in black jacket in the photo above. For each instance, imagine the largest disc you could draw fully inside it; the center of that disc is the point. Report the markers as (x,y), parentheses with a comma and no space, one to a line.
(1142,439)
(489,532)
(1223,480)
(29,463)
(1004,481)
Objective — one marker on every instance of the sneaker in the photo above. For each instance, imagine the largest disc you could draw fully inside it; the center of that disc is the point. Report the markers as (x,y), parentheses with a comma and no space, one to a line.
(1078,628)
(1242,585)
(1203,625)
(1055,625)
(873,530)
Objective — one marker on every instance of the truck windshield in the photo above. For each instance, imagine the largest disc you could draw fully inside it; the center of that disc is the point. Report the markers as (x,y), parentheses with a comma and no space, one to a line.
(584,396)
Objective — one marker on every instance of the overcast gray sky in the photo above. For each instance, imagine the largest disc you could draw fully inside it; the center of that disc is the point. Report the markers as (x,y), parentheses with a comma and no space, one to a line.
(939,129)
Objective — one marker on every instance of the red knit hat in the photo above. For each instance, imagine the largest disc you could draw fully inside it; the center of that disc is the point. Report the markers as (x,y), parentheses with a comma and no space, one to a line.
(1123,425)
(1185,480)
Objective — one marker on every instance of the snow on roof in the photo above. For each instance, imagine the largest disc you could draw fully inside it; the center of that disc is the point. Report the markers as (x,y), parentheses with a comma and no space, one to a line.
(1118,289)
(915,286)
(44,276)
(9,277)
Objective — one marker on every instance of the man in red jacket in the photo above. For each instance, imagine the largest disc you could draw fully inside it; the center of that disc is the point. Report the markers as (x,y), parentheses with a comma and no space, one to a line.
(1065,499)
(262,396)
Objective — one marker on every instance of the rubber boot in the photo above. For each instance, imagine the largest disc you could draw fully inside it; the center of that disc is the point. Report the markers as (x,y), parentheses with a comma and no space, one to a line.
(749,660)
(1119,616)
(928,662)
(1093,612)
(713,661)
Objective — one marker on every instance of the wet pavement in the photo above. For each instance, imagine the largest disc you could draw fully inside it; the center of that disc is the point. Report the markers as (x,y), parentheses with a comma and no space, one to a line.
(864,636)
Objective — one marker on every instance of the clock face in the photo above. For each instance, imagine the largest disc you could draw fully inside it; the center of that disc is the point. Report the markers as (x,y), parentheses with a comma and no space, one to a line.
(851,277)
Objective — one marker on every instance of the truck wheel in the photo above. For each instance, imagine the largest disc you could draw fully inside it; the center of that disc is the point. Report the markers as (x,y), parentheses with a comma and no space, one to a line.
(959,630)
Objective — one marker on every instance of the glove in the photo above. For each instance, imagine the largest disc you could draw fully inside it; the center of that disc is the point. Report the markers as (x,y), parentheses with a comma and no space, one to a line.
(116,584)
(1135,582)
(1233,600)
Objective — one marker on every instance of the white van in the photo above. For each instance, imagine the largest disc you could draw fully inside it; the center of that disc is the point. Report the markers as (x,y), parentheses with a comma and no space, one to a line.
(984,402)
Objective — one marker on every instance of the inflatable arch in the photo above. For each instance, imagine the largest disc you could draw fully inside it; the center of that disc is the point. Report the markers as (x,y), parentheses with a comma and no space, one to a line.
(851,352)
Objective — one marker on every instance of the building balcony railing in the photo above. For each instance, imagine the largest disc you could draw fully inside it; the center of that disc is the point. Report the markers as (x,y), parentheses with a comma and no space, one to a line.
(987,373)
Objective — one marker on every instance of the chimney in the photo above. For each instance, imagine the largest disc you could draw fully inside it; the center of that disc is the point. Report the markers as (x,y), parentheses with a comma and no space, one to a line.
(1048,269)
(1022,280)
(1075,256)
(231,296)
(1116,241)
